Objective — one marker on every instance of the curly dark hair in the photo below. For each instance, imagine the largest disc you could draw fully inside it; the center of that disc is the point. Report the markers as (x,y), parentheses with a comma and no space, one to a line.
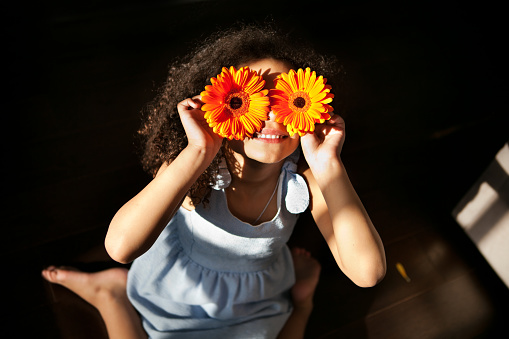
(162,135)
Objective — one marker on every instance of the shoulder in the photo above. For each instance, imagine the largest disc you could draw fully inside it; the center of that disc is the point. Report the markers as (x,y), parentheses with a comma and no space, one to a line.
(188,203)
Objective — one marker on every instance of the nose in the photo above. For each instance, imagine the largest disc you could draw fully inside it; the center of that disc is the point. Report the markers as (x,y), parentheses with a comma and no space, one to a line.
(272,122)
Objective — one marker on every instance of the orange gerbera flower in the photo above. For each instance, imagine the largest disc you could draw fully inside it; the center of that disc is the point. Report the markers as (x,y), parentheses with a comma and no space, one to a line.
(300,100)
(235,104)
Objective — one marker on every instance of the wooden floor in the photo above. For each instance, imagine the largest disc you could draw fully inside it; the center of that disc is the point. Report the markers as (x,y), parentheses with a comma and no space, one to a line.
(426,113)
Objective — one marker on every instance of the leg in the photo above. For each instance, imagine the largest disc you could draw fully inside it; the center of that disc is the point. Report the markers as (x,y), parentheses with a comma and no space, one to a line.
(106,291)
(307,274)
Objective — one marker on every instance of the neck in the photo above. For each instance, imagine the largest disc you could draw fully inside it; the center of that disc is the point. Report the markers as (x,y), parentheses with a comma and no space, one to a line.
(253,184)
(248,172)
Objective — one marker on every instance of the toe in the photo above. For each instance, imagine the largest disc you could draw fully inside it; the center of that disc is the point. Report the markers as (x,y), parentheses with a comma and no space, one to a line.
(50,273)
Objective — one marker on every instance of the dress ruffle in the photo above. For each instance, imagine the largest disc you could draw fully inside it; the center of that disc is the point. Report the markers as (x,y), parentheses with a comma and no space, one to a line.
(196,297)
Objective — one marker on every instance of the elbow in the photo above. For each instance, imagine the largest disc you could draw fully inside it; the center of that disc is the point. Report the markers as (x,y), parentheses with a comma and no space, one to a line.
(119,258)
(371,277)
(117,251)
(370,281)
(118,241)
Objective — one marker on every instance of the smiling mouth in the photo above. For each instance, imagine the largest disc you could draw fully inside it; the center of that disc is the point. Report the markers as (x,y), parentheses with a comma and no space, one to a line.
(269,136)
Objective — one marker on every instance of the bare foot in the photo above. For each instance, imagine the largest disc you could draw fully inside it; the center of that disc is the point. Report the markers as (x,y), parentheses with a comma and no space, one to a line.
(307,274)
(95,288)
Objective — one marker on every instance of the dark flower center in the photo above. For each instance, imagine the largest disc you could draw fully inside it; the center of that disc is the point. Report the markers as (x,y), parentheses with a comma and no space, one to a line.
(299,102)
(235,103)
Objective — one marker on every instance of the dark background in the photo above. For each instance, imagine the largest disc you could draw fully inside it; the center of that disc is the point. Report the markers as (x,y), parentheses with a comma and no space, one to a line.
(426,111)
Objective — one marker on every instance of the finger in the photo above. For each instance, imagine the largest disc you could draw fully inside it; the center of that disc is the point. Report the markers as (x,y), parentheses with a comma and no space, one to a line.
(188,104)
(197,98)
(336,120)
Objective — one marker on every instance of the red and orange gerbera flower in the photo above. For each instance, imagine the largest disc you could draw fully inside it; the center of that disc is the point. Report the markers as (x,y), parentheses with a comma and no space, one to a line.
(236,103)
(300,100)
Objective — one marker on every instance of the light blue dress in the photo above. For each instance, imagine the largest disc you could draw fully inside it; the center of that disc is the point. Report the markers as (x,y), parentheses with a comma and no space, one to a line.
(210,275)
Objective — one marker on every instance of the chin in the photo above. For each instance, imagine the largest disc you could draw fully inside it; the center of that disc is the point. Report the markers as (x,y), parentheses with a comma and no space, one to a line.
(264,159)
(269,152)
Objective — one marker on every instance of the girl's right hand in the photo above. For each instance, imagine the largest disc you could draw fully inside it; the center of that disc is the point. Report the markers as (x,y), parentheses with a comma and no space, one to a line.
(198,132)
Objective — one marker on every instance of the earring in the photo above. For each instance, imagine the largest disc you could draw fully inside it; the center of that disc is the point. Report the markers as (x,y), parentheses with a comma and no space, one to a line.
(223,177)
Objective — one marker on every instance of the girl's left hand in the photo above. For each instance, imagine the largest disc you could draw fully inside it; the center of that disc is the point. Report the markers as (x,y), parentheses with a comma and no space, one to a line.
(325,143)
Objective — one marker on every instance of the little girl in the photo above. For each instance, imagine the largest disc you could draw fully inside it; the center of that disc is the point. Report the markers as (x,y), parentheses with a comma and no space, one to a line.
(207,236)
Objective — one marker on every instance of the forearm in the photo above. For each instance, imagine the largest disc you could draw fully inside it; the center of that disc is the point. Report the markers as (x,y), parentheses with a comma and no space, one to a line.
(136,226)
(355,241)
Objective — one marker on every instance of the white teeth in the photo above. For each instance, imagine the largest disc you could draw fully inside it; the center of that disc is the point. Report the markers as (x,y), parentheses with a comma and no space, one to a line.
(268,136)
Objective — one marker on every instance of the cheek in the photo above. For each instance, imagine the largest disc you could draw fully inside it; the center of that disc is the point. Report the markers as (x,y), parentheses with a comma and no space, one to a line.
(295,146)
(295,138)
(295,141)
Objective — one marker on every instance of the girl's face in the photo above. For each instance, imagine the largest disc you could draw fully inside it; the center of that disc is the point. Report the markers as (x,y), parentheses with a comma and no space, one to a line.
(273,143)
